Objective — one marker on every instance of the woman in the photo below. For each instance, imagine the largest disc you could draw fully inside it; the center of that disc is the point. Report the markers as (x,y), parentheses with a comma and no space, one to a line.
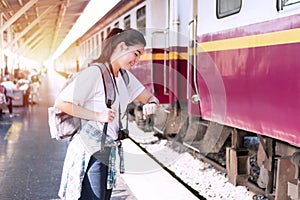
(86,174)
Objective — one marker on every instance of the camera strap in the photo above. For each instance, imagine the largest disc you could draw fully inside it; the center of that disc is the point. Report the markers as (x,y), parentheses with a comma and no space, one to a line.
(120,122)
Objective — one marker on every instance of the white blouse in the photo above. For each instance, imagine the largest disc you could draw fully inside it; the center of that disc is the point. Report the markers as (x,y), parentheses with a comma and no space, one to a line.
(87,90)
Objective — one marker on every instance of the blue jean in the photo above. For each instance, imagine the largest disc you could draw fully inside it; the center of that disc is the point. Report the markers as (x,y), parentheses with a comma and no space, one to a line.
(94,184)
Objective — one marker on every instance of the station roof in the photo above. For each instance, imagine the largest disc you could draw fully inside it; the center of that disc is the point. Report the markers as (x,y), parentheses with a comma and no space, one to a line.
(38,26)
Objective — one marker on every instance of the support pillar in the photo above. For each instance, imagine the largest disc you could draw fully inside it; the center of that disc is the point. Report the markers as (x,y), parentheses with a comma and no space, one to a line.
(2,63)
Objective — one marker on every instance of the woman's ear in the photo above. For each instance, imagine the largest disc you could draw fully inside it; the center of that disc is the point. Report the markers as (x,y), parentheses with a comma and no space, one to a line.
(122,46)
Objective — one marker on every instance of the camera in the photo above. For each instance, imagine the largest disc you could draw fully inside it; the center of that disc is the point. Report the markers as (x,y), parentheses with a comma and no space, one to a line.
(123,134)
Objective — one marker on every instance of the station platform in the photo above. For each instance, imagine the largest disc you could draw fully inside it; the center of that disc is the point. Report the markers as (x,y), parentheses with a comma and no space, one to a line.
(31,162)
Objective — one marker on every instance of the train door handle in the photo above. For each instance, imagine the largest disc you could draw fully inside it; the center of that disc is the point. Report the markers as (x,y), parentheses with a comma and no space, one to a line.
(195,99)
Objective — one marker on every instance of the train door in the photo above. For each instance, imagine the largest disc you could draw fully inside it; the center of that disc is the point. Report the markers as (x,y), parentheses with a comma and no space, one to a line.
(192,91)
(209,90)
(156,59)
(159,65)
(177,62)
(179,38)
(173,66)
(157,40)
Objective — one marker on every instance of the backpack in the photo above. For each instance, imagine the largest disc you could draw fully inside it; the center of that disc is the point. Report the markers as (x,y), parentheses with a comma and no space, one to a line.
(3,100)
(63,125)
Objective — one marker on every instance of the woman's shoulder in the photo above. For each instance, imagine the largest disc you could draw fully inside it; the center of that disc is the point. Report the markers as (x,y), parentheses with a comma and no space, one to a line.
(91,68)
(91,72)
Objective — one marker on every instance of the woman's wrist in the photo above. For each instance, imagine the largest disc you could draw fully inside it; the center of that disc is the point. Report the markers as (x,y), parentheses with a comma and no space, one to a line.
(153,100)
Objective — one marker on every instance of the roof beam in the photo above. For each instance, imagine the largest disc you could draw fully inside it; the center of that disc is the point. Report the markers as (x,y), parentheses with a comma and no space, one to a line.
(28,51)
(17,15)
(42,4)
(30,26)
(35,51)
(34,36)
(59,21)
(23,45)
(36,41)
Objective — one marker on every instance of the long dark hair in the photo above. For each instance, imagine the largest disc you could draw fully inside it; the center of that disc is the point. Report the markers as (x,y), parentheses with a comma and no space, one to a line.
(130,37)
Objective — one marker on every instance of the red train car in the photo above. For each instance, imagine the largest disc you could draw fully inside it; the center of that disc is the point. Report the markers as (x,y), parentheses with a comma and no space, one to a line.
(247,79)
(259,69)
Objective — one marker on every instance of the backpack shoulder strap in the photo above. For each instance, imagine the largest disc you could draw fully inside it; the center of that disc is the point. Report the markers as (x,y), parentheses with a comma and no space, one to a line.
(110,97)
(109,89)
(125,76)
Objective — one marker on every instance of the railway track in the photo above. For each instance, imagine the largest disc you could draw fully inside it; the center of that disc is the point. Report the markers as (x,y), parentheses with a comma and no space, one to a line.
(198,169)
(244,181)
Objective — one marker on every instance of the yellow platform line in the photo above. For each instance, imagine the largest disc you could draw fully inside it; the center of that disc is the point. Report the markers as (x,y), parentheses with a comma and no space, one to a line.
(13,132)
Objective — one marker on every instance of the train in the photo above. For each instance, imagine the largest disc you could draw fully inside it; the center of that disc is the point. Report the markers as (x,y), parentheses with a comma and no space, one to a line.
(226,72)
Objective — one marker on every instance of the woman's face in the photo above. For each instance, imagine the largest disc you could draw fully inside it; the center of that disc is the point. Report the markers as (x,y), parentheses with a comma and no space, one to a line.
(129,56)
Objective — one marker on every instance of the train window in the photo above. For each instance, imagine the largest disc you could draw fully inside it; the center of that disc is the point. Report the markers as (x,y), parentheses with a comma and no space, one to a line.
(141,19)
(96,45)
(102,36)
(89,47)
(93,39)
(97,40)
(107,30)
(284,3)
(127,22)
(228,7)
(116,25)
(5,35)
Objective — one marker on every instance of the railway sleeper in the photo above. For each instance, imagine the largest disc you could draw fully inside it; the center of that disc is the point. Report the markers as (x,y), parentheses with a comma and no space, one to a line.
(168,122)
(214,138)
(279,165)
(207,137)
(294,189)
(237,165)
(293,185)
(245,157)
(238,169)
(286,186)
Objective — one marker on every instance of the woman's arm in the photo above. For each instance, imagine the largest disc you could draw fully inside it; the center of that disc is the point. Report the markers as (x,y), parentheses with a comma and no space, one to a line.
(106,115)
(146,97)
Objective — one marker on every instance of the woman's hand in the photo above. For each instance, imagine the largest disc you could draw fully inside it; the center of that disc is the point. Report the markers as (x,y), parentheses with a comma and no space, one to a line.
(106,115)
(149,108)
(150,103)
